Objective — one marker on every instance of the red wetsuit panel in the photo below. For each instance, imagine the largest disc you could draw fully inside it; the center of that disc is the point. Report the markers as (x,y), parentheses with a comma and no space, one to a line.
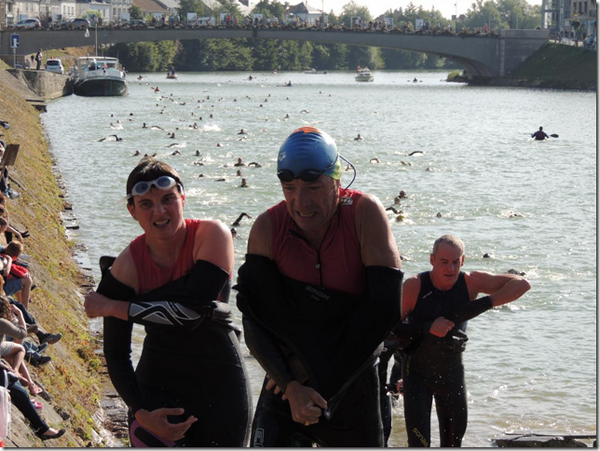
(150,275)
(338,265)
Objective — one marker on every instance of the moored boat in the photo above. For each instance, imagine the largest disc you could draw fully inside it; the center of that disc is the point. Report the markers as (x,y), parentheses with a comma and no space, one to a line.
(97,76)
(364,74)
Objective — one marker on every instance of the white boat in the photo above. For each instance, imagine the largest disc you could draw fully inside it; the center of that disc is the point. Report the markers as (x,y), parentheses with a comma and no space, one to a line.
(95,76)
(363,74)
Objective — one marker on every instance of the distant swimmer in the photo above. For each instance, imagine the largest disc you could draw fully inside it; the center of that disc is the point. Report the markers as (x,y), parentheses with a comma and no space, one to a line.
(242,132)
(240,162)
(197,153)
(198,163)
(402,194)
(416,152)
(239,219)
(156,89)
(140,77)
(404,163)
(287,116)
(137,153)
(110,138)
(156,127)
(439,215)
(250,78)
(144,125)
(359,138)
(374,160)
(393,209)
(176,152)
(540,135)
(255,164)
(233,232)
(244,184)
(238,173)
(219,145)
(305,111)
(415,80)
(172,135)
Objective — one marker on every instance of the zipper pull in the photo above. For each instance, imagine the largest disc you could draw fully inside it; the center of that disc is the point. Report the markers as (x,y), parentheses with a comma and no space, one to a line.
(318,266)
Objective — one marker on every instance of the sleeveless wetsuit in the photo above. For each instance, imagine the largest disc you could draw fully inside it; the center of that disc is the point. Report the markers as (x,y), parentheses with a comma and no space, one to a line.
(200,370)
(435,370)
(337,266)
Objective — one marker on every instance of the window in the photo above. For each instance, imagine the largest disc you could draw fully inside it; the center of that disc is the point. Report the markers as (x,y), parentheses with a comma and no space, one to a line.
(585,7)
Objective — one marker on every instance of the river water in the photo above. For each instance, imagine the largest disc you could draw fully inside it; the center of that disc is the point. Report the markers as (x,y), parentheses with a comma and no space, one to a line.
(531,366)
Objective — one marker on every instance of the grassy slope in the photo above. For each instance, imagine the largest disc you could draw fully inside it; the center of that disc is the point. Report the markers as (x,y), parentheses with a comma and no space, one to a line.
(72,378)
(556,62)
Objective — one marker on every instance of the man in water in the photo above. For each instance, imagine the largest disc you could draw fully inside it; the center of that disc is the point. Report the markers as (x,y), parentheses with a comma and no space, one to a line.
(320,291)
(435,307)
(540,135)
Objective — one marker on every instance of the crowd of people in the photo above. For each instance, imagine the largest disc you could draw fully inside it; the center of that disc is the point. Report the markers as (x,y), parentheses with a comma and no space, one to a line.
(324,306)
(22,339)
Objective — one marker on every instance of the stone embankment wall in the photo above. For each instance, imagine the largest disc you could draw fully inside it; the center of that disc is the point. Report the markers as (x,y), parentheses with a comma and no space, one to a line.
(47,85)
(73,380)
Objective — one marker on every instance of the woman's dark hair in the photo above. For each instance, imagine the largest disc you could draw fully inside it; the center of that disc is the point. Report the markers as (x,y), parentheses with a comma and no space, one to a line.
(148,169)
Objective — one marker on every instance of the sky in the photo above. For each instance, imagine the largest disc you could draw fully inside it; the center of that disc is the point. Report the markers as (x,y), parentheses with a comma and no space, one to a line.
(378,7)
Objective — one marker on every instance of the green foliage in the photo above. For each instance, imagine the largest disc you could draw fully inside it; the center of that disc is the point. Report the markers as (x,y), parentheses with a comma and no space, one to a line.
(137,56)
(503,14)
(135,12)
(268,9)
(215,54)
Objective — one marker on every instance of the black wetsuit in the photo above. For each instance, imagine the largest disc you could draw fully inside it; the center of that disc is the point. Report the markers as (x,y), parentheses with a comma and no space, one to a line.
(435,369)
(335,337)
(198,367)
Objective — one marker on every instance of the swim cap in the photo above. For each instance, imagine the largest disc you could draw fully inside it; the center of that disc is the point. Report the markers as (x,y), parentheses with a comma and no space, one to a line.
(309,148)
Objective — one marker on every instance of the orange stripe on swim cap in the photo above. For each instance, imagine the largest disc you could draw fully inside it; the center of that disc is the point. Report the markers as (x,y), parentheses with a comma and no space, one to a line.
(307,130)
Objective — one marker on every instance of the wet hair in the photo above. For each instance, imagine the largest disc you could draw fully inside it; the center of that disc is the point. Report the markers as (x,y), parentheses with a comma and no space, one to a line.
(13,249)
(452,240)
(5,311)
(148,169)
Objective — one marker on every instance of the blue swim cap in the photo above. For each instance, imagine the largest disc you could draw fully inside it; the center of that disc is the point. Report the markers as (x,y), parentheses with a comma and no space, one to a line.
(309,148)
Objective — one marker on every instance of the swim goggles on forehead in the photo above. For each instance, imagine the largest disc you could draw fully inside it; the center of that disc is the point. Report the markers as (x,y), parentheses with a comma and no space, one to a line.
(164,182)
(307,175)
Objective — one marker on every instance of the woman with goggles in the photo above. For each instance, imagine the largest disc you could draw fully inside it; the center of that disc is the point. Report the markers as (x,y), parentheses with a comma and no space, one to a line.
(174,279)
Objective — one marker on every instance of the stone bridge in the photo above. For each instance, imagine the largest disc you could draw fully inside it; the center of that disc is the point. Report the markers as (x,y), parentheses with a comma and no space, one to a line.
(482,57)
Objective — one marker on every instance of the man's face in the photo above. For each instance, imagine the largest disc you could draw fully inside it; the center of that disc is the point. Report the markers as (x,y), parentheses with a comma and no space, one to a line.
(446,263)
(312,204)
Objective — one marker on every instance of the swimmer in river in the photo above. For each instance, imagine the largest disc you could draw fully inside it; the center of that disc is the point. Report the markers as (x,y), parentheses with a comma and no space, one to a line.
(239,162)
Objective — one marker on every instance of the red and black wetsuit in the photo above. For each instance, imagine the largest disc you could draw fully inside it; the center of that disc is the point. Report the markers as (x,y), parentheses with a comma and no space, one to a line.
(200,370)
(337,266)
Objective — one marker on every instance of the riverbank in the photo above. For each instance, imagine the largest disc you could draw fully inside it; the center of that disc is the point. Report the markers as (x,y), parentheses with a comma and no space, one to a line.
(73,380)
(554,66)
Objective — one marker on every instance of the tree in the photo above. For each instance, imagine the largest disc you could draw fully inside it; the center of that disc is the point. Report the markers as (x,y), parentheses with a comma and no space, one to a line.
(135,12)
(352,9)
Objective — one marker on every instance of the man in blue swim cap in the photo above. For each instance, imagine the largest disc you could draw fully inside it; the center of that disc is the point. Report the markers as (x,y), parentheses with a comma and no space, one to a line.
(320,290)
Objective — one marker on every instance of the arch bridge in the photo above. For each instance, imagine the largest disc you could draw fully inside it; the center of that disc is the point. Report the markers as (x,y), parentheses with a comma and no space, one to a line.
(482,56)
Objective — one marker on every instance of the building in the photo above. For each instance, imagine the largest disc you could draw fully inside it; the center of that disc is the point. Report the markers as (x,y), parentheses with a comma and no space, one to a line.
(151,7)
(305,14)
(568,16)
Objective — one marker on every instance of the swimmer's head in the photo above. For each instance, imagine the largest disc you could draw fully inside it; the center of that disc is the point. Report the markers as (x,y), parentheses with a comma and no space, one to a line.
(148,169)
(451,240)
(306,154)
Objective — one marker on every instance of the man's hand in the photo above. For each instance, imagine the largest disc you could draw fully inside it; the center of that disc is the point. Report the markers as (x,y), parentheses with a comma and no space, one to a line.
(306,404)
(270,384)
(156,421)
(441,326)
(98,305)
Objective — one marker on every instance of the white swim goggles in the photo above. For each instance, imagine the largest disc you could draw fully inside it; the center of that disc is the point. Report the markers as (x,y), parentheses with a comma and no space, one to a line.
(163,182)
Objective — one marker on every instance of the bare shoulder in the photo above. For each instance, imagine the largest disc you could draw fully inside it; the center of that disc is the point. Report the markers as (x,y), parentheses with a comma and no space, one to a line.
(213,243)
(213,228)
(410,293)
(124,270)
(378,245)
(261,236)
